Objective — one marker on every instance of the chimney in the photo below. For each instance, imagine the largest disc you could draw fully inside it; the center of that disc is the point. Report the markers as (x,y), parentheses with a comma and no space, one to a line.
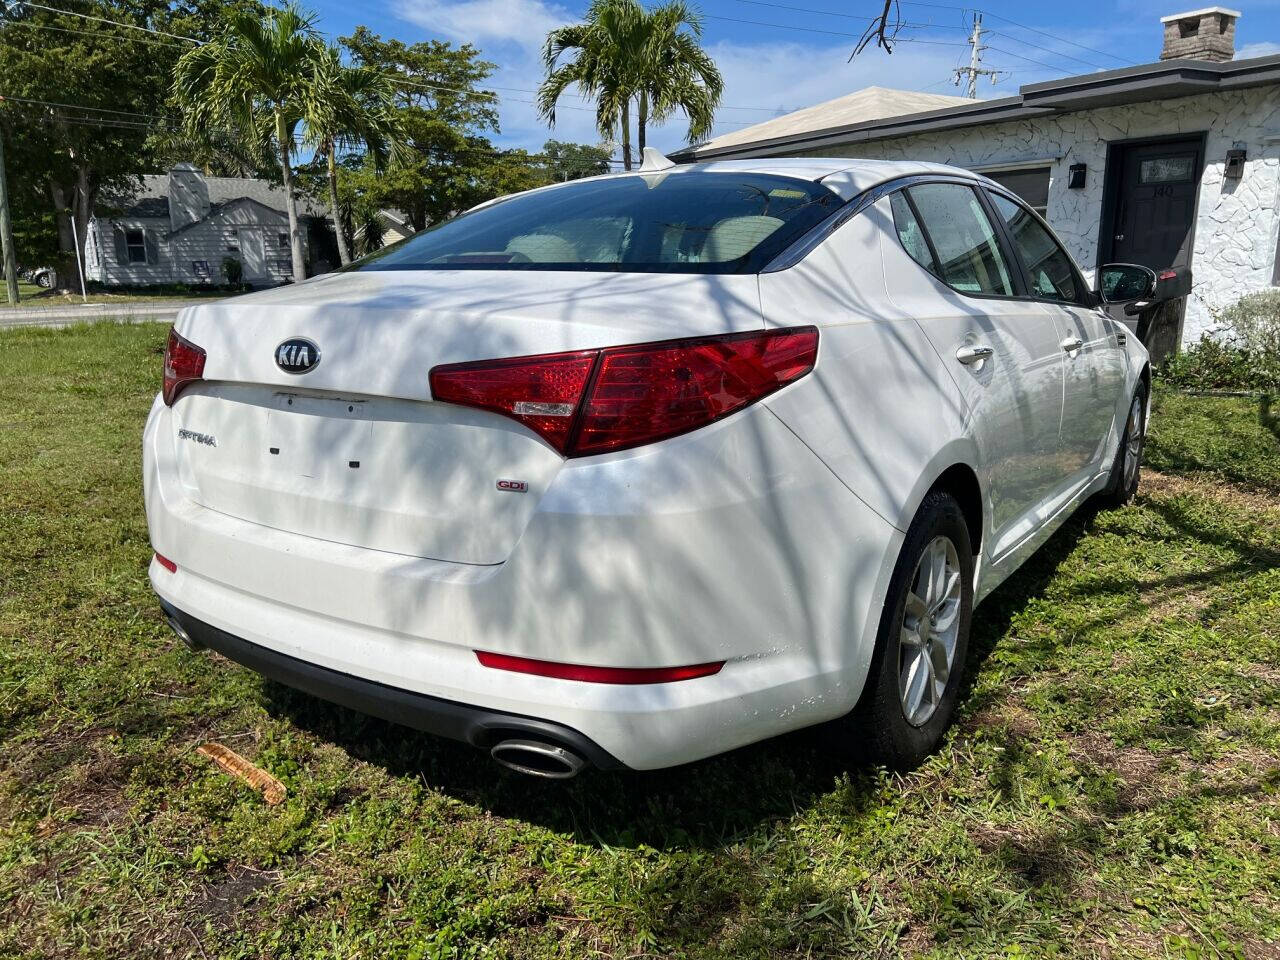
(188,196)
(1208,34)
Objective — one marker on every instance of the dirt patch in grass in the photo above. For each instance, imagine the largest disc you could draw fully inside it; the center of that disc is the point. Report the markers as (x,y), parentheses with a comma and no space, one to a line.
(1232,495)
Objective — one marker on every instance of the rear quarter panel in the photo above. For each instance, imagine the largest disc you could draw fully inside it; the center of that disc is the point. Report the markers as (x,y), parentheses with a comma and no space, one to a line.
(879,409)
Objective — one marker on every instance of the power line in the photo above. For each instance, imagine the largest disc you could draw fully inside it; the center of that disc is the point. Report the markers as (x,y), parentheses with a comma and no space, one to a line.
(843,16)
(947,6)
(130,26)
(88,33)
(833,33)
(1015,23)
(1018,56)
(1056,53)
(118,123)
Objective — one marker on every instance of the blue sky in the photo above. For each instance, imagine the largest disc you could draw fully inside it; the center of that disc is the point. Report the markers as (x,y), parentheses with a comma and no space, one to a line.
(777,58)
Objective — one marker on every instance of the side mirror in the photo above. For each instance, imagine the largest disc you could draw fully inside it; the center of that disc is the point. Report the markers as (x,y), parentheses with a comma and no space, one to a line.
(1123,282)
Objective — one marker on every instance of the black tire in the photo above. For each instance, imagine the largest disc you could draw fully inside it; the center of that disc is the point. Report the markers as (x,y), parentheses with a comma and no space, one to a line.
(1120,489)
(879,725)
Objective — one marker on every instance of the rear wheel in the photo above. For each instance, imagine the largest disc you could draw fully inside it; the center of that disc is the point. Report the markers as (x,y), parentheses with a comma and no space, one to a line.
(911,689)
(1126,469)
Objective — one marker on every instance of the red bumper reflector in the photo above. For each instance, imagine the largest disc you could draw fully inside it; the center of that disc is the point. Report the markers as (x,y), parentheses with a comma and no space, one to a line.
(166,563)
(570,671)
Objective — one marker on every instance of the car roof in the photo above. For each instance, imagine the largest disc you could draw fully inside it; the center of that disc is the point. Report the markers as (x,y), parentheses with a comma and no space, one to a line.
(847,176)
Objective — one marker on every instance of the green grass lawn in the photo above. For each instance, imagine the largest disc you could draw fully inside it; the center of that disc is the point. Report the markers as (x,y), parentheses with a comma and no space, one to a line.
(1112,787)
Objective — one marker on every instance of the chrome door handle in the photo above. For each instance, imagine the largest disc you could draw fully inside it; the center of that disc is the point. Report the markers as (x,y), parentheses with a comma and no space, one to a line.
(972,354)
(1072,344)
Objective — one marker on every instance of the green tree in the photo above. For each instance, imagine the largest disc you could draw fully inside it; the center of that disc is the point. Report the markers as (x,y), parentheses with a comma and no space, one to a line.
(606,48)
(81,105)
(674,73)
(259,76)
(447,162)
(353,110)
(572,161)
(624,53)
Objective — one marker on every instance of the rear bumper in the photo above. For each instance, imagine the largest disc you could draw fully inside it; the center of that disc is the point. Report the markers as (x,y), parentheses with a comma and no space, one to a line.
(443,718)
(733,543)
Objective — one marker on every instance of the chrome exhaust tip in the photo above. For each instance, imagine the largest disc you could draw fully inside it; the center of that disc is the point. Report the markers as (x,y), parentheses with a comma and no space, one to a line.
(537,759)
(191,644)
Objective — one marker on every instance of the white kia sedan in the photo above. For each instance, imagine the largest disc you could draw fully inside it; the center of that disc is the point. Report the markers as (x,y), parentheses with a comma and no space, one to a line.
(634,470)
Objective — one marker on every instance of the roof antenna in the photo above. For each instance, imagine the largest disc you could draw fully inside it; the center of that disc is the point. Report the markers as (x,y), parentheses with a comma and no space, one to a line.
(654,160)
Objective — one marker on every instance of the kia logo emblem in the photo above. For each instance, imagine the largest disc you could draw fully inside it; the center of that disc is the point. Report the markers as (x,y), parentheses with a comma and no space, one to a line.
(297,355)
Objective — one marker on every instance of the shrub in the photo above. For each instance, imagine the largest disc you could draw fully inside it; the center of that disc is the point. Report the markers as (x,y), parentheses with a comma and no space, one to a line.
(1211,364)
(1244,356)
(232,269)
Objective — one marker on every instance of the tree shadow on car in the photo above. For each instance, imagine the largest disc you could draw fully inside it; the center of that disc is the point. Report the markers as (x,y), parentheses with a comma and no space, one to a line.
(707,804)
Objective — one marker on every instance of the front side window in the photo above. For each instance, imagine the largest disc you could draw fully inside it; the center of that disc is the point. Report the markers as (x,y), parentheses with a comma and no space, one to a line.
(135,242)
(968,254)
(1049,269)
(679,222)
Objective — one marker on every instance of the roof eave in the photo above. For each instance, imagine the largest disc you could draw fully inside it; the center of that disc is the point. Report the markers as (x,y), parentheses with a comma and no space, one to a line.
(1164,80)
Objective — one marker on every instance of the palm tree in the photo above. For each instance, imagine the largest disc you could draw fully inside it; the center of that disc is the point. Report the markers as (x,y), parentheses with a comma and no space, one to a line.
(355,108)
(608,47)
(258,78)
(626,53)
(676,74)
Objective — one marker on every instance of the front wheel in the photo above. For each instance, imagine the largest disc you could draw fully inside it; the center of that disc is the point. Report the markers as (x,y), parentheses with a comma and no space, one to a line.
(1126,469)
(914,680)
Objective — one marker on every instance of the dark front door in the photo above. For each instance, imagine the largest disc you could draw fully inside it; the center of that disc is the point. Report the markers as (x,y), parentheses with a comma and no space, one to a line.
(1155,203)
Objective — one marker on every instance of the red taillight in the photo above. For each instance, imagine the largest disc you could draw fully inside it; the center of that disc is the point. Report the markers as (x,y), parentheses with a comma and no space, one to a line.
(595,401)
(541,392)
(183,364)
(571,671)
(166,563)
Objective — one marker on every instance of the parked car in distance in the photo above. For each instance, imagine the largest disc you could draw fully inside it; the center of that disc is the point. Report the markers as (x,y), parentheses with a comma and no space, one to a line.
(634,470)
(40,276)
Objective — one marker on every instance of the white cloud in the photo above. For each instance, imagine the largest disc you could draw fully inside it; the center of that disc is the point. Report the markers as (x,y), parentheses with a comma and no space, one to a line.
(771,76)
(1263,48)
(520,23)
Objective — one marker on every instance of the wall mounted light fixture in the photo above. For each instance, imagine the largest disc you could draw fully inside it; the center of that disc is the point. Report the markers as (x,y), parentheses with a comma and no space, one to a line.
(1235,164)
(1076,175)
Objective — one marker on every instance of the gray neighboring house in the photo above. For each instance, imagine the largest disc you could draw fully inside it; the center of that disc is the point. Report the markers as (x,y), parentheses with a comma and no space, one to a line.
(1168,164)
(181,226)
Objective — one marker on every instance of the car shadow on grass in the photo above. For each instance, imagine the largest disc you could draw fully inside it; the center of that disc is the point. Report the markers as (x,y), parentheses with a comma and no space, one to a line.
(708,804)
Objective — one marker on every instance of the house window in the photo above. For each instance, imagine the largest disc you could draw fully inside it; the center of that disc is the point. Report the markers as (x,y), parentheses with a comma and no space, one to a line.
(282,240)
(1166,170)
(201,269)
(1032,185)
(135,242)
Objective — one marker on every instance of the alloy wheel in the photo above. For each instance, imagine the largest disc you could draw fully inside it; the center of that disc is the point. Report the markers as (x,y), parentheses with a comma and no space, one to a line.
(930,626)
(1133,443)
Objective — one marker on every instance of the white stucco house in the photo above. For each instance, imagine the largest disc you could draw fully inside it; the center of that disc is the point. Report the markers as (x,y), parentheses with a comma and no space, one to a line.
(1173,163)
(179,227)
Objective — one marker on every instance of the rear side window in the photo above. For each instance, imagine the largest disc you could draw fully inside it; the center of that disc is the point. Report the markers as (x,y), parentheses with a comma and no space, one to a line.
(910,232)
(963,238)
(1049,269)
(678,222)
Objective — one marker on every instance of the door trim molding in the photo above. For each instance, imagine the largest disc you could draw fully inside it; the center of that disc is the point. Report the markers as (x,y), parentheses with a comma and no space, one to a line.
(1111,188)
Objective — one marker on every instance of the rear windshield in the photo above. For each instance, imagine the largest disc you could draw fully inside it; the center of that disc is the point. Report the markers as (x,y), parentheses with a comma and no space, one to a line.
(684,222)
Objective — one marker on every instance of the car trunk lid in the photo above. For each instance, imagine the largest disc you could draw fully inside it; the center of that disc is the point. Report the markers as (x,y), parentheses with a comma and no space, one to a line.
(355,450)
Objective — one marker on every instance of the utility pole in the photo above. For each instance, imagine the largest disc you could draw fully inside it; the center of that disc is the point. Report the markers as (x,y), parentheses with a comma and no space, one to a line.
(975,68)
(6,233)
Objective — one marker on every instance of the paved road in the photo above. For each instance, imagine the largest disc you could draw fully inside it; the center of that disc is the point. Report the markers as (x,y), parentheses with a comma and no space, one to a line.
(64,315)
